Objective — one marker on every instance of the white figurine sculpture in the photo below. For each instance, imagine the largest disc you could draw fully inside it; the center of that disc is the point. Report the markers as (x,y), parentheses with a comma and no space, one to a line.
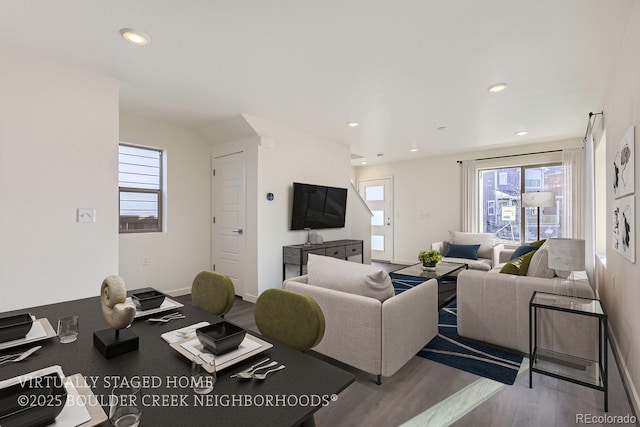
(113,294)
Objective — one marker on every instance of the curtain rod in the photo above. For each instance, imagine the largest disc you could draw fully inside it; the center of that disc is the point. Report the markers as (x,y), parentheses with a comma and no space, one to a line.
(589,124)
(514,155)
(591,114)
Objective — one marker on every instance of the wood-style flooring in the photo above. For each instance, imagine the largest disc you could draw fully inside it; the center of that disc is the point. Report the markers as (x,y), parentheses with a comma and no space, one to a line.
(422,384)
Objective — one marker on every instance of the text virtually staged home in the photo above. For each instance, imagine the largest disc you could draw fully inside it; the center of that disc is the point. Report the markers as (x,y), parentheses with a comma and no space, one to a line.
(324,214)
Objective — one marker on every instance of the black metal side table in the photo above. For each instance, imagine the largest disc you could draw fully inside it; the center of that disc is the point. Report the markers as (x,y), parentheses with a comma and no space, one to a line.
(563,366)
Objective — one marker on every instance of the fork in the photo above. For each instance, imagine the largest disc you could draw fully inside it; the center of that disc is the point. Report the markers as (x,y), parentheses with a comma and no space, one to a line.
(19,356)
(168,317)
(253,367)
(262,377)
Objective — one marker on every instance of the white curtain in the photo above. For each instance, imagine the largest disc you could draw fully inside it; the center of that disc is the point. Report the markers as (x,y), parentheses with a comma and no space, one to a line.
(578,199)
(589,204)
(469,196)
(572,197)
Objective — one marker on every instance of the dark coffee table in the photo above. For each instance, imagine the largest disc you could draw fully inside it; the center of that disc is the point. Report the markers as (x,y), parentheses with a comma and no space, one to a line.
(445,273)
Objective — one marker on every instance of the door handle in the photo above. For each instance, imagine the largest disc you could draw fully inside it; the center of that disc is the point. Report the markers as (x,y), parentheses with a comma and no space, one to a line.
(239,231)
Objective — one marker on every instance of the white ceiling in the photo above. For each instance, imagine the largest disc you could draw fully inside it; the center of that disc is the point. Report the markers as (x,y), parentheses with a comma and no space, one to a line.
(400,69)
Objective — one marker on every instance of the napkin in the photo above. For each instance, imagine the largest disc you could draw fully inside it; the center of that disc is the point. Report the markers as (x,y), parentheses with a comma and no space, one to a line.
(174,336)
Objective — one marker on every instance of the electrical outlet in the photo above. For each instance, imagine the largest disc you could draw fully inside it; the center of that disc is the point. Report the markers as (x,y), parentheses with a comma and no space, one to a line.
(145,260)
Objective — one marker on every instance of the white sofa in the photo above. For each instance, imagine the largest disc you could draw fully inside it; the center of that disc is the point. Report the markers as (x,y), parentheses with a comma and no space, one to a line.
(365,325)
(488,254)
(493,307)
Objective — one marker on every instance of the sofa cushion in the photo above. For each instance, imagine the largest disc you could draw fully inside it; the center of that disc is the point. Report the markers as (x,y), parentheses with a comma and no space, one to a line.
(486,240)
(519,265)
(350,277)
(482,264)
(455,250)
(539,265)
(523,249)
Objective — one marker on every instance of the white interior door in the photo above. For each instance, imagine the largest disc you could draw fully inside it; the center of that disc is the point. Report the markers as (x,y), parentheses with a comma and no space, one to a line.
(378,194)
(229,218)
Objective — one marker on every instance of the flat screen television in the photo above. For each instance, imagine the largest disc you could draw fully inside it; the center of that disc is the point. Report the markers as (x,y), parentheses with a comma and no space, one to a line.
(318,206)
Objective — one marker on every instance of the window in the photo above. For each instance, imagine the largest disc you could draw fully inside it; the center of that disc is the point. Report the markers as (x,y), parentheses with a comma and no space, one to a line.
(140,182)
(503,213)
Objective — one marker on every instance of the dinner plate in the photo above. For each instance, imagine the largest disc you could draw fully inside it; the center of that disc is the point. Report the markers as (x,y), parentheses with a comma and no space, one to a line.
(248,348)
(82,408)
(167,304)
(41,330)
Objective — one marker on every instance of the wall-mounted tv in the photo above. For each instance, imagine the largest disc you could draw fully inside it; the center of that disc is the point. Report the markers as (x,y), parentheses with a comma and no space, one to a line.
(318,206)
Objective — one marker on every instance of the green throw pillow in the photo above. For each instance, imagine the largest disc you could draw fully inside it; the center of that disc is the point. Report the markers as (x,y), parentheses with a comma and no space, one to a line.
(518,266)
(537,243)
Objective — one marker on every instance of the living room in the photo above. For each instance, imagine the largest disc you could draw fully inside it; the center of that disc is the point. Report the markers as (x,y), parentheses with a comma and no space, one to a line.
(61,125)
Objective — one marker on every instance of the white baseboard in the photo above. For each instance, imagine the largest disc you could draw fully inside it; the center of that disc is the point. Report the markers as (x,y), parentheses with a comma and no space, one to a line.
(624,373)
(179,292)
(250,298)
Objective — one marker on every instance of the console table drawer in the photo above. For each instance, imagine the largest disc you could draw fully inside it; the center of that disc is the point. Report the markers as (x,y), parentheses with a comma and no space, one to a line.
(337,252)
(305,254)
(353,250)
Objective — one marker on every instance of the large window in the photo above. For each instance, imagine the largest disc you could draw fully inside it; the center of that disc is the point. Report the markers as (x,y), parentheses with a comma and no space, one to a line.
(140,182)
(500,192)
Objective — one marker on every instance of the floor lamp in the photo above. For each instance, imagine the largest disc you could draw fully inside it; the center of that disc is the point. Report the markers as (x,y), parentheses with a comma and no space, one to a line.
(539,199)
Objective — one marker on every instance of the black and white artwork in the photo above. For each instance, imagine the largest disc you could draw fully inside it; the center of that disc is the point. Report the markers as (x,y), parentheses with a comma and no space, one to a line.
(623,166)
(624,227)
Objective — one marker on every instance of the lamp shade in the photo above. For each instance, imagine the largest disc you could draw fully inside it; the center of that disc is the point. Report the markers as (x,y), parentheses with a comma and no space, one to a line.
(539,199)
(566,254)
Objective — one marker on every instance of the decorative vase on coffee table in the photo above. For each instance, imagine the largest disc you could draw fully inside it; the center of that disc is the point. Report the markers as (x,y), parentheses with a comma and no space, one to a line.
(429,266)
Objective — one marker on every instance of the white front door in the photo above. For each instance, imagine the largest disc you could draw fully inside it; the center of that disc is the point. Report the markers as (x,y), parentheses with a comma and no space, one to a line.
(229,218)
(378,194)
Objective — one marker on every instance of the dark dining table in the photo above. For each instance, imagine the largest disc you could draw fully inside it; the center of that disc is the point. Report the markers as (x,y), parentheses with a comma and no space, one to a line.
(287,398)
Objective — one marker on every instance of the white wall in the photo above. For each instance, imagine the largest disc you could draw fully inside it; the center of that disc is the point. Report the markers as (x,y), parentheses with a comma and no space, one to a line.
(183,248)
(431,187)
(295,156)
(620,289)
(58,152)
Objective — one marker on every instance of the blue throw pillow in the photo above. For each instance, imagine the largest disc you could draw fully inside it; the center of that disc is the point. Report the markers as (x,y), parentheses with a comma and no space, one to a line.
(456,250)
(524,249)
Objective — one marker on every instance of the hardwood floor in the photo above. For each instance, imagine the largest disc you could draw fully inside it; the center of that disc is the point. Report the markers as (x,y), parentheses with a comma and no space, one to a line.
(422,384)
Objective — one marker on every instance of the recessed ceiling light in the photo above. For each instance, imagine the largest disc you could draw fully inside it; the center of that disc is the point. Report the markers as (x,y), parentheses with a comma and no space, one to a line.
(364,162)
(442,128)
(413,149)
(353,124)
(498,87)
(135,37)
(522,133)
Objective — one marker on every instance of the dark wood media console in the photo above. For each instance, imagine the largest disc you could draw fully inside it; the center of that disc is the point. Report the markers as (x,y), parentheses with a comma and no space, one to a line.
(299,254)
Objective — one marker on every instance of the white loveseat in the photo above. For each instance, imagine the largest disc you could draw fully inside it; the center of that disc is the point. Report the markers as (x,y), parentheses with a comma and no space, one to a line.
(493,307)
(488,253)
(366,326)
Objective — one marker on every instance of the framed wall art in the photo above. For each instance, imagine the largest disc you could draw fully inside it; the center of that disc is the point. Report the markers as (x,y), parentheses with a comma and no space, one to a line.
(624,166)
(624,227)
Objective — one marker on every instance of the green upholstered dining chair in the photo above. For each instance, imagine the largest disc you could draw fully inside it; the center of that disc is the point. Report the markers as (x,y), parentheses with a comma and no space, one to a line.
(289,317)
(213,292)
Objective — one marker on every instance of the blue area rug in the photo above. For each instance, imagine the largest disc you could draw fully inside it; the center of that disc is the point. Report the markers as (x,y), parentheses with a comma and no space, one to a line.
(403,283)
(451,350)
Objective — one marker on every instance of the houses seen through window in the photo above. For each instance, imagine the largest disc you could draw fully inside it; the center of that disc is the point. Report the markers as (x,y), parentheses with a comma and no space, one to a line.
(140,182)
(502,213)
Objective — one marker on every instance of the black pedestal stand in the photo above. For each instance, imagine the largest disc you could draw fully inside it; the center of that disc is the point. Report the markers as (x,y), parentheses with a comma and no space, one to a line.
(112,344)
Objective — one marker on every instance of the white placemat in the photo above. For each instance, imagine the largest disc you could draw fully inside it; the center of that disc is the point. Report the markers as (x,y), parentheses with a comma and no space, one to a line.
(73,413)
(196,348)
(175,336)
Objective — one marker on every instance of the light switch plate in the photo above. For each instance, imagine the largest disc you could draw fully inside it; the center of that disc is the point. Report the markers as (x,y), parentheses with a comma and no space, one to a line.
(86,215)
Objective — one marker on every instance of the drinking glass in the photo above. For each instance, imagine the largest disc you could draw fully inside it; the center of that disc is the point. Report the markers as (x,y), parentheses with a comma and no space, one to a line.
(203,380)
(68,328)
(125,406)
